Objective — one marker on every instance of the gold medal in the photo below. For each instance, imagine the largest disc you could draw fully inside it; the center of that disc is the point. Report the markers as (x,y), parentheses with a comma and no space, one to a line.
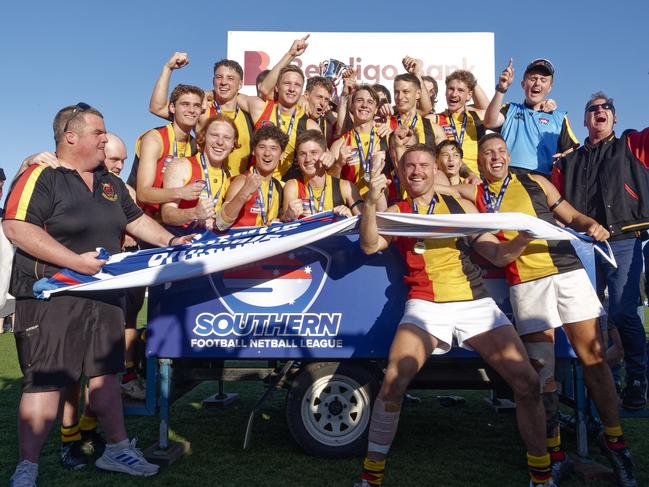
(419,247)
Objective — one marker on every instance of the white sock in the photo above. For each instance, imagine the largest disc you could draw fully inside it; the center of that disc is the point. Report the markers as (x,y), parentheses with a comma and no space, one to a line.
(121,445)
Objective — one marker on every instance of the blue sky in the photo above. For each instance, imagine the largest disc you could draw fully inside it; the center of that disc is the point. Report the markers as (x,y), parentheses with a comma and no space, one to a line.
(110,53)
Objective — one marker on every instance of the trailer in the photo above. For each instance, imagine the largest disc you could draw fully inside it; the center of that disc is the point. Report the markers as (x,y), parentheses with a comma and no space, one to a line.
(317,321)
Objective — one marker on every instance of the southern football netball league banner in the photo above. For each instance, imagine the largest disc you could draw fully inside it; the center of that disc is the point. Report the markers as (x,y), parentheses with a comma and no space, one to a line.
(376,55)
(212,252)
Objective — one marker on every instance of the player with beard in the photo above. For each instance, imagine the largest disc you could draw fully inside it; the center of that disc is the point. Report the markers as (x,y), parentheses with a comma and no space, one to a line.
(447,299)
(550,289)
(316,191)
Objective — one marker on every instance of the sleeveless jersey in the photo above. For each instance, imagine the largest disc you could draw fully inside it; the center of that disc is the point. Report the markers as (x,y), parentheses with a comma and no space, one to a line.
(354,172)
(541,258)
(474,131)
(333,195)
(269,115)
(168,137)
(238,159)
(250,214)
(327,129)
(444,272)
(219,182)
(423,129)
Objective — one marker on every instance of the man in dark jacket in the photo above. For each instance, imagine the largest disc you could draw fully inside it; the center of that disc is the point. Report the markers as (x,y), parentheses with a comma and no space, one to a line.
(607,179)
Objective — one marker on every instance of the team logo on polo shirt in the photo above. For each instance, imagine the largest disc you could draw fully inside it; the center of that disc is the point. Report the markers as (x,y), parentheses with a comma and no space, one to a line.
(108,192)
(544,121)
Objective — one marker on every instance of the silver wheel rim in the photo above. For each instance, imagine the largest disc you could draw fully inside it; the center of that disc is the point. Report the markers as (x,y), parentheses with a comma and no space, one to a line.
(335,410)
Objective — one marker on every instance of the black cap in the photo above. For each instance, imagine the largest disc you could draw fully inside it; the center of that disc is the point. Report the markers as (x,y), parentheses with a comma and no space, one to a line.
(540,65)
(2,174)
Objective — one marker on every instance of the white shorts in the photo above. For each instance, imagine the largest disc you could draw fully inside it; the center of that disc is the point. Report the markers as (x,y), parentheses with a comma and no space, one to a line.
(551,301)
(460,320)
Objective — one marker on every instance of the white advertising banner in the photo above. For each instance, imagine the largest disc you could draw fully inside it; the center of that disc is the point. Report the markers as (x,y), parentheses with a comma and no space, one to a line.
(377,55)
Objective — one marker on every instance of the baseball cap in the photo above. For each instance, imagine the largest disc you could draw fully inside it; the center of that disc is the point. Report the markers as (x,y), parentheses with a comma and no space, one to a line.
(540,65)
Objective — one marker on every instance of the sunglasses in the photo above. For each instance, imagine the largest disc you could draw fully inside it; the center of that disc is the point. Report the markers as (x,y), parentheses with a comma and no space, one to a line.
(78,108)
(603,106)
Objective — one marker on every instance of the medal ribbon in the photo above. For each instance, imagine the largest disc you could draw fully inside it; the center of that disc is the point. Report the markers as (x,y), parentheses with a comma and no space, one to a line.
(279,120)
(365,161)
(459,139)
(312,198)
(217,107)
(260,199)
(491,206)
(206,172)
(412,123)
(431,206)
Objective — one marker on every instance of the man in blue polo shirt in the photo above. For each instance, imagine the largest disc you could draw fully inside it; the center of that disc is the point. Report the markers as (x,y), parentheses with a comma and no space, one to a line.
(533,136)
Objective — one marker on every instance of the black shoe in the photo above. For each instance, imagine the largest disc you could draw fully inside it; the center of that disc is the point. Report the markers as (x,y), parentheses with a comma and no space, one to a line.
(71,455)
(621,462)
(92,443)
(634,396)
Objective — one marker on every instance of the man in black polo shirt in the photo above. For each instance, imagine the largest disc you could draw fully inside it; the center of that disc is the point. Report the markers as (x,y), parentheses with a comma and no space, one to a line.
(57,218)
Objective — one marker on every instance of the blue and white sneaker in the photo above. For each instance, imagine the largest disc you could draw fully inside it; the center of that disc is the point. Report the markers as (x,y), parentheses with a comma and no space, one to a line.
(25,475)
(126,458)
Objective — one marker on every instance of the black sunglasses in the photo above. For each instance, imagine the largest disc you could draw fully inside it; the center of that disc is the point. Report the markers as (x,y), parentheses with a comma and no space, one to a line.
(78,108)
(603,106)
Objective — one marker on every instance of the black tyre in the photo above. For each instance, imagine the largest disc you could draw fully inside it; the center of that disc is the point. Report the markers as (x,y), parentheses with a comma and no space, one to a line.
(328,408)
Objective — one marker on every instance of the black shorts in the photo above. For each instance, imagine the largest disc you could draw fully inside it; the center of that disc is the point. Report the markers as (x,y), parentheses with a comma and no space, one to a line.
(66,337)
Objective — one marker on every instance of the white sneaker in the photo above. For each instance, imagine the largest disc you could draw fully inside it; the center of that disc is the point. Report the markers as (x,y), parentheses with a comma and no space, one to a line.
(127,459)
(134,389)
(25,475)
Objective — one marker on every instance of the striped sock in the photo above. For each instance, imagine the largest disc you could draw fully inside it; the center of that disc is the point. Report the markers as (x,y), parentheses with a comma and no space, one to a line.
(614,437)
(373,471)
(555,449)
(88,423)
(71,433)
(539,467)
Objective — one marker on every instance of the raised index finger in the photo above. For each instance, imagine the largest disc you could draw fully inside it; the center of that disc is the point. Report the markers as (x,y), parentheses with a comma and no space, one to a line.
(306,37)
(378,163)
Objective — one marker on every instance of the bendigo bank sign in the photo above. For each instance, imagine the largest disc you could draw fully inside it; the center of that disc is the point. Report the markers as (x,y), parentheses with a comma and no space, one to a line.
(376,56)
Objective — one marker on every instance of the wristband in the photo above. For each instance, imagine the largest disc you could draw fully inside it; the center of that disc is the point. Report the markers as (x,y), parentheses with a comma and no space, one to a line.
(171,240)
(500,90)
(356,203)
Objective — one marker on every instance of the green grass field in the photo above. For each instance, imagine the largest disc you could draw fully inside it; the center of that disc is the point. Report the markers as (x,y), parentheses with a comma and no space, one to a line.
(460,446)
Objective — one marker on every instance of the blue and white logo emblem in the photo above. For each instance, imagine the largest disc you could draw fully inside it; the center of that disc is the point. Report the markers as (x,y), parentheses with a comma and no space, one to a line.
(286,283)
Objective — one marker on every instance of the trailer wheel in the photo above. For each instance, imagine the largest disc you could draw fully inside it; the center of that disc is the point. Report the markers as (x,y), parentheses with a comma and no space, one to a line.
(328,408)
